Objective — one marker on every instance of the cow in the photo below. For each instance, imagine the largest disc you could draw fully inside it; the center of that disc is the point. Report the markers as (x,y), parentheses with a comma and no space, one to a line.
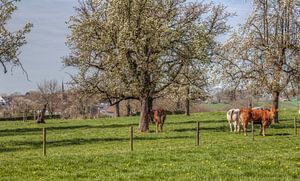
(245,117)
(159,117)
(263,117)
(233,119)
(260,108)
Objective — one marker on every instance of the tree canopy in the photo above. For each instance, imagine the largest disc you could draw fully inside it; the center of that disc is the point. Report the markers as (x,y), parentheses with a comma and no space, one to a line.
(135,49)
(10,42)
(264,54)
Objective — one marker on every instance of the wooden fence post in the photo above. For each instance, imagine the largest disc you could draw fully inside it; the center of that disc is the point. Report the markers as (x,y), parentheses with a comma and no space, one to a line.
(252,130)
(44,141)
(295,126)
(197,133)
(131,138)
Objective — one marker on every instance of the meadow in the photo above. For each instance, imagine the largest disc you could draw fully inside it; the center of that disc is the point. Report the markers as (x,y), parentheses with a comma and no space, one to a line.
(99,149)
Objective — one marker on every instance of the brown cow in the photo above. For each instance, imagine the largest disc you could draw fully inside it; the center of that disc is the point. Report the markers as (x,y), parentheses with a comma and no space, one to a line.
(159,117)
(262,117)
(245,117)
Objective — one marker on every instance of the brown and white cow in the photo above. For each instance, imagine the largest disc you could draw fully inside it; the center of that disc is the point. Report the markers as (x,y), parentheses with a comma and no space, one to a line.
(233,119)
(159,117)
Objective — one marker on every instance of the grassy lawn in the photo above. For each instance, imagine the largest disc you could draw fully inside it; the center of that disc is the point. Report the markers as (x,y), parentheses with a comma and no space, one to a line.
(99,150)
(214,107)
(286,105)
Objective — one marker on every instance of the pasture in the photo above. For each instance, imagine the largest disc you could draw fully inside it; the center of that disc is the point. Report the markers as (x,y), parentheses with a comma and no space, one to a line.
(99,150)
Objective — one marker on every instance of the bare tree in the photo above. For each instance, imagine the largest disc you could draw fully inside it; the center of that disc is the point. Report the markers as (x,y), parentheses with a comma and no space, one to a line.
(50,94)
(41,116)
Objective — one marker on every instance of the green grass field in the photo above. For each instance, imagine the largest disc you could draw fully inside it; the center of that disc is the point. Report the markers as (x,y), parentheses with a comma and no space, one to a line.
(100,150)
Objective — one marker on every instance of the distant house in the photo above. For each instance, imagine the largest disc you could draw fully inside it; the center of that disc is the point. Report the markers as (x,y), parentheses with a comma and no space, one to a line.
(102,106)
(284,99)
(104,109)
(3,102)
(110,111)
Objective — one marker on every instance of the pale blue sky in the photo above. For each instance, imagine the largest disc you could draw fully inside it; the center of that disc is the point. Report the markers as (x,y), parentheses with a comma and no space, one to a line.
(41,57)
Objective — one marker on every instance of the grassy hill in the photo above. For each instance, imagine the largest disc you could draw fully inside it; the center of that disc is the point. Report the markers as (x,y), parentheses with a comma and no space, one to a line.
(283,105)
(99,150)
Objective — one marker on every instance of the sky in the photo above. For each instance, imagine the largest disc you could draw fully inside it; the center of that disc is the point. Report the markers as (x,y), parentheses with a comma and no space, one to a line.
(42,56)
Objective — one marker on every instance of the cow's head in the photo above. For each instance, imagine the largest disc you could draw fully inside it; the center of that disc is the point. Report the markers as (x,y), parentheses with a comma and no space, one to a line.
(272,113)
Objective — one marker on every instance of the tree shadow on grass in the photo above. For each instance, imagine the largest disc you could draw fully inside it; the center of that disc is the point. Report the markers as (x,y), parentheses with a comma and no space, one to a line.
(2,150)
(279,134)
(282,126)
(25,145)
(214,129)
(193,121)
(33,131)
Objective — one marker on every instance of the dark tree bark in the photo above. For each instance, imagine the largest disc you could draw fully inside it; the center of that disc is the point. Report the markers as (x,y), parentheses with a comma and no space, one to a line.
(275,101)
(128,108)
(117,111)
(145,113)
(178,107)
(250,103)
(150,103)
(41,116)
(298,96)
(187,102)
(232,95)
(150,112)
(294,90)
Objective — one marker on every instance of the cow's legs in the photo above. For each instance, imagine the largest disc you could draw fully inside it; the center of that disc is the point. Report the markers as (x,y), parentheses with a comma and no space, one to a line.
(161,127)
(238,125)
(240,122)
(230,126)
(162,123)
(264,126)
(261,129)
(235,126)
(156,125)
(245,127)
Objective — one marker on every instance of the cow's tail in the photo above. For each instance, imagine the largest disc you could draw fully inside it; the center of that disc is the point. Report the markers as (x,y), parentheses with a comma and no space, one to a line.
(160,114)
(231,115)
(238,118)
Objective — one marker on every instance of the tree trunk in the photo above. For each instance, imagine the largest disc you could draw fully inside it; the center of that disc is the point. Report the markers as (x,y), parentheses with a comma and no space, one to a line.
(146,102)
(298,96)
(150,103)
(232,95)
(117,111)
(250,103)
(51,114)
(187,102)
(41,116)
(128,108)
(90,112)
(150,108)
(178,106)
(275,101)
(294,90)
